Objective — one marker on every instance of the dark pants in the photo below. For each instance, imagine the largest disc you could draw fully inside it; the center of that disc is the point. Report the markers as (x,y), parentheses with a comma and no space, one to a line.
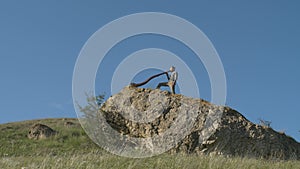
(170,84)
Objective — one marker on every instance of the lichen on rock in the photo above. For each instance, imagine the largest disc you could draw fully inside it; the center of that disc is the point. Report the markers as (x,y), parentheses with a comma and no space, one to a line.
(40,131)
(213,129)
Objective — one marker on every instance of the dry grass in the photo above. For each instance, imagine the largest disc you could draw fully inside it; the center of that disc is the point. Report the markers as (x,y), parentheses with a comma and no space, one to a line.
(91,160)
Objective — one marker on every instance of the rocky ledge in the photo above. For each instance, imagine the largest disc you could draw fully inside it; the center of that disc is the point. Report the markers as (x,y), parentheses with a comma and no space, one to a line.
(202,127)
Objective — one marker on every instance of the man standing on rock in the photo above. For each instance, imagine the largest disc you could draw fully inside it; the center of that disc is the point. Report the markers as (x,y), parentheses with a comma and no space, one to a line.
(172,80)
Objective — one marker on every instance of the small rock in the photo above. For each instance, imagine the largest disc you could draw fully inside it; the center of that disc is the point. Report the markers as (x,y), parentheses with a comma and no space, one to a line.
(40,131)
(69,123)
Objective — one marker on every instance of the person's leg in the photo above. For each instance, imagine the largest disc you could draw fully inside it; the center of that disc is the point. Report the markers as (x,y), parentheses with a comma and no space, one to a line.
(162,84)
(172,87)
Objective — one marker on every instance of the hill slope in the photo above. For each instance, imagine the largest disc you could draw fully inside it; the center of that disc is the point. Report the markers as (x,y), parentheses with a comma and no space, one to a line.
(70,139)
(71,148)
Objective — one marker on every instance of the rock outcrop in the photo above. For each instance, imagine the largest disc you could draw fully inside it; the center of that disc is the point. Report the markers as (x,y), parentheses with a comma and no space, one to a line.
(200,127)
(40,131)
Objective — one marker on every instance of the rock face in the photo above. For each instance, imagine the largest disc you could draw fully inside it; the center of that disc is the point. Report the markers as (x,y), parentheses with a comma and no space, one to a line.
(203,128)
(40,131)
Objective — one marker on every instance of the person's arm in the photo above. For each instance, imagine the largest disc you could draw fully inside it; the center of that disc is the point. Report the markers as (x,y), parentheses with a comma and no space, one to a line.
(168,75)
(173,76)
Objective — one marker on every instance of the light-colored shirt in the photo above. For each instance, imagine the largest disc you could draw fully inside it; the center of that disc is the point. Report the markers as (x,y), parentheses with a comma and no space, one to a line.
(174,76)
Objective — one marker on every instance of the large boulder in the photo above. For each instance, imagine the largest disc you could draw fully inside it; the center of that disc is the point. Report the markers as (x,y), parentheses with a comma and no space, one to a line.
(40,131)
(146,113)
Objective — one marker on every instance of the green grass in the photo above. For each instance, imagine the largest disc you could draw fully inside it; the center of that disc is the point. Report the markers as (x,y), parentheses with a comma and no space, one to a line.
(14,141)
(71,148)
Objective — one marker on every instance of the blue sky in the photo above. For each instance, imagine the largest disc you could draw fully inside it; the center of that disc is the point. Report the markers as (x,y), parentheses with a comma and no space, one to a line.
(258,43)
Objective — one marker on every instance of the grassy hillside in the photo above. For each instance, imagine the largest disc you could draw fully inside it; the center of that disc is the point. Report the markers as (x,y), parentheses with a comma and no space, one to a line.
(71,148)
